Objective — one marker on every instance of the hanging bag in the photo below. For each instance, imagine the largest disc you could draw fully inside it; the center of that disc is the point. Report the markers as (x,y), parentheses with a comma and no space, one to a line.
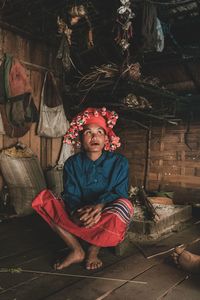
(52,122)
(17,107)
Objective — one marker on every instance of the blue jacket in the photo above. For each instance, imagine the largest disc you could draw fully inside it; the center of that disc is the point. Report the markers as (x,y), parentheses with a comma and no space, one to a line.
(93,182)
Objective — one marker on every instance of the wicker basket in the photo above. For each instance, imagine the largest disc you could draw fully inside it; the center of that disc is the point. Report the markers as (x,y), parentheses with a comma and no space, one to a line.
(23,175)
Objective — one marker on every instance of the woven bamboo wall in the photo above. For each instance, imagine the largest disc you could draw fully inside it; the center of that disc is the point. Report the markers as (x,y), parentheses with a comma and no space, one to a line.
(171,164)
(38,57)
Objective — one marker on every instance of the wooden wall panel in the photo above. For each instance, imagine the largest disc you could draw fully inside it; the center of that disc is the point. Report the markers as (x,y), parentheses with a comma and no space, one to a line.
(37,58)
(36,78)
(25,139)
(55,146)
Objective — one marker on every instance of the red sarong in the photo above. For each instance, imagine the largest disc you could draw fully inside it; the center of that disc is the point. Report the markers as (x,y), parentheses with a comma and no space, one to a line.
(109,231)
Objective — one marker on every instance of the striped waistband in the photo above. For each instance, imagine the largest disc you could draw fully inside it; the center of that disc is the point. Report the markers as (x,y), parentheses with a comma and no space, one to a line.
(122,208)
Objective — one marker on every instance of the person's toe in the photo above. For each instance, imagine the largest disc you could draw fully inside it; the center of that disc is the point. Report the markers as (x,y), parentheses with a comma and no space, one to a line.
(175,257)
(93,265)
(179,250)
(100,264)
(56,266)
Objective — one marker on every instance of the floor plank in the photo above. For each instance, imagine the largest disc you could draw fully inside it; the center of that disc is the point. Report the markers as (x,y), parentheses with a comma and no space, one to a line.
(23,234)
(95,288)
(30,244)
(188,289)
(18,285)
(184,237)
(159,279)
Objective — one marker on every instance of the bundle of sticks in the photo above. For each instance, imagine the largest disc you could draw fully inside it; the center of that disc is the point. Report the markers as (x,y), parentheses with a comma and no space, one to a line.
(139,196)
(100,77)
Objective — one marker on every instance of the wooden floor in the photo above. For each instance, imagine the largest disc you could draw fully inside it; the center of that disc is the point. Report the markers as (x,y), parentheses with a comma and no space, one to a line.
(28,248)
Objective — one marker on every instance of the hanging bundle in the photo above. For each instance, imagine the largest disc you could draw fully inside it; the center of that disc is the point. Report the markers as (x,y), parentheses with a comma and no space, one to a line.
(124,24)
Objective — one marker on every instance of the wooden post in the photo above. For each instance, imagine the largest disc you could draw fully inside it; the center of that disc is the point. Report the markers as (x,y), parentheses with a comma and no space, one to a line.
(148,154)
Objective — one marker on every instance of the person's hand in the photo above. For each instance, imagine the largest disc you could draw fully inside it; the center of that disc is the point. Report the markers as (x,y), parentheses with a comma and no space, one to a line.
(90,44)
(90,215)
(90,39)
(76,219)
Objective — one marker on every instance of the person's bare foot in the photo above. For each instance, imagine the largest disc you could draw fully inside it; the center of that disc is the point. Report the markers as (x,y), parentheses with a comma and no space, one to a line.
(75,256)
(185,259)
(93,262)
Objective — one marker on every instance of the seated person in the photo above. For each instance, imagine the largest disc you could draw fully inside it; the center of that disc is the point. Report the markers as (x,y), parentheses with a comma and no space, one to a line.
(94,205)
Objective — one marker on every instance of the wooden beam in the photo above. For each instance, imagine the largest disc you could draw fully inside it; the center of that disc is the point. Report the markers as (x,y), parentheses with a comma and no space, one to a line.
(181,86)
(25,34)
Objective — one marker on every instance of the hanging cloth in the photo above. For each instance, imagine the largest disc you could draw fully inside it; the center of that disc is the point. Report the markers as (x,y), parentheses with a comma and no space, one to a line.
(17,107)
(160,37)
(149,24)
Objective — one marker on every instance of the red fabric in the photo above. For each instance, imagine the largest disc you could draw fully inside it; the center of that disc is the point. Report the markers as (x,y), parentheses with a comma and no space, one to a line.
(99,121)
(19,81)
(109,231)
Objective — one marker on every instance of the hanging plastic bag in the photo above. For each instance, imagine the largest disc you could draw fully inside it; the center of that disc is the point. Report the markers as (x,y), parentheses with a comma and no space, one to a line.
(52,122)
(66,151)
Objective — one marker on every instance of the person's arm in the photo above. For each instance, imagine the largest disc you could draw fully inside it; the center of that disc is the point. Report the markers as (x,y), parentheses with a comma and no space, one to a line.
(90,39)
(118,187)
(72,191)
(90,33)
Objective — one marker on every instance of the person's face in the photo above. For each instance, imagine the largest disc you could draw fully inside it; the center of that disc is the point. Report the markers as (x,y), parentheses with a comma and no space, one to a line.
(93,138)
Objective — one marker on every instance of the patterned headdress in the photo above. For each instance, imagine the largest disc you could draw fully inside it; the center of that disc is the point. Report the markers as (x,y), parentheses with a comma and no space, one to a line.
(101,116)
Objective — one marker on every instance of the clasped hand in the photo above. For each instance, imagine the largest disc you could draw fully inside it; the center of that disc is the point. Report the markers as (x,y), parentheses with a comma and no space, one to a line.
(88,216)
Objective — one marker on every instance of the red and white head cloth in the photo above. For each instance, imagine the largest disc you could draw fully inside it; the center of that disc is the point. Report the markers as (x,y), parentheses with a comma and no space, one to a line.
(101,116)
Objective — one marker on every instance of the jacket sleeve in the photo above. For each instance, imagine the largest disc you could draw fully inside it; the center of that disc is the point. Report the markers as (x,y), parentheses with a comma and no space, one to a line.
(118,186)
(72,192)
